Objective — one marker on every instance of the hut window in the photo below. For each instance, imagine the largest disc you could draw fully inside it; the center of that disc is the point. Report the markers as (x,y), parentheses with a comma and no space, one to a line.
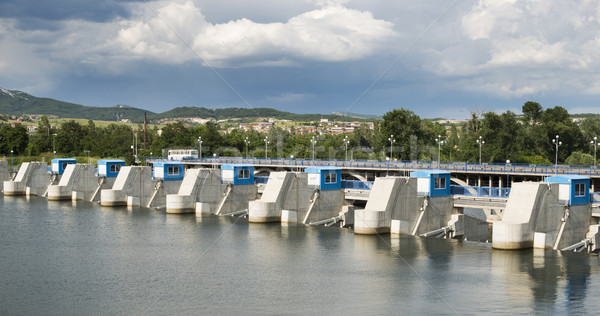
(115,168)
(579,189)
(440,184)
(173,171)
(330,177)
(243,174)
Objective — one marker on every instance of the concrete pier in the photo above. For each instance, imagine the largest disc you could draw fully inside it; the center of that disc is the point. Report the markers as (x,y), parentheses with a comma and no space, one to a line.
(31,179)
(197,185)
(133,187)
(412,206)
(4,173)
(545,215)
(78,182)
(283,191)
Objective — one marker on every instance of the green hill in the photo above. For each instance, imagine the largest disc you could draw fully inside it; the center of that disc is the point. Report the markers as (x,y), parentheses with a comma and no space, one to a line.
(19,103)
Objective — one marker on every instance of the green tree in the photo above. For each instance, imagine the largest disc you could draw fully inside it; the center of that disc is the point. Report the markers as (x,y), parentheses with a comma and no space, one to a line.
(532,112)
(69,138)
(579,158)
(402,124)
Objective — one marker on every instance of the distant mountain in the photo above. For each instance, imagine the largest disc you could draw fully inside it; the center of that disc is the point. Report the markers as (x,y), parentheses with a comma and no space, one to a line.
(243,113)
(356,115)
(18,103)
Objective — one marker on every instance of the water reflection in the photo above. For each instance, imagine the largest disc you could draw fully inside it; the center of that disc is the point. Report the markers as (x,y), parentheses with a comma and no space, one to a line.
(80,258)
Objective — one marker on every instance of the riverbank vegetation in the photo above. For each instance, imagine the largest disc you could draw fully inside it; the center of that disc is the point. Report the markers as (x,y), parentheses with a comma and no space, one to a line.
(401,135)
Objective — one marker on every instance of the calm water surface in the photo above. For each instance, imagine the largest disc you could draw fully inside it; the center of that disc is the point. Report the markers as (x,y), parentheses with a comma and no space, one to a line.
(60,258)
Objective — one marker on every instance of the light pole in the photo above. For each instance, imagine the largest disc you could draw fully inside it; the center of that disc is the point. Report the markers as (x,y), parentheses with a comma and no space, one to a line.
(346,141)
(53,138)
(150,156)
(480,142)
(556,143)
(507,172)
(595,143)
(247,144)
(11,160)
(313,141)
(87,152)
(200,144)
(266,147)
(439,142)
(392,141)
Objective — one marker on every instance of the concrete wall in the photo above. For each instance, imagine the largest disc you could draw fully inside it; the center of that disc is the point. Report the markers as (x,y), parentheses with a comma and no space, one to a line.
(133,186)
(397,199)
(198,186)
(78,178)
(517,227)
(328,204)
(4,174)
(238,198)
(537,216)
(32,179)
(382,203)
(283,191)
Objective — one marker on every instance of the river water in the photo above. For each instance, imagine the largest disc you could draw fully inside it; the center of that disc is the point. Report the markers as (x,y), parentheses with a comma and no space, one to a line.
(63,258)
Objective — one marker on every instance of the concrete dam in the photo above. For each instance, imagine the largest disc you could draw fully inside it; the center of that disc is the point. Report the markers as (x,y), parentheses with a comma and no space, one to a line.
(559,212)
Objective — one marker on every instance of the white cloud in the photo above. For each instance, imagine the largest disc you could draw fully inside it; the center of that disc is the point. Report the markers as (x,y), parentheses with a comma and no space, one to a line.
(331,33)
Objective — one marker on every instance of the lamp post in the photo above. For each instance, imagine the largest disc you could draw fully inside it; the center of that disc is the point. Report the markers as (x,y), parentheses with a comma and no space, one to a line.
(313,141)
(480,142)
(151,156)
(11,160)
(346,142)
(266,147)
(439,141)
(556,143)
(507,172)
(87,152)
(595,143)
(392,141)
(247,144)
(200,145)
(53,138)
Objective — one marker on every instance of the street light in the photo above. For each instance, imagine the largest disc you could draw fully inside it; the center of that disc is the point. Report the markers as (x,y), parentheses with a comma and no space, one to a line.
(439,141)
(87,152)
(266,147)
(247,144)
(392,141)
(480,142)
(556,143)
(346,142)
(595,143)
(313,141)
(11,160)
(507,172)
(200,144)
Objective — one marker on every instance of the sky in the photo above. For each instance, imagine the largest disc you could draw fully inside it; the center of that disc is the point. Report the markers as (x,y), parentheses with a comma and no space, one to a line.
(437,58)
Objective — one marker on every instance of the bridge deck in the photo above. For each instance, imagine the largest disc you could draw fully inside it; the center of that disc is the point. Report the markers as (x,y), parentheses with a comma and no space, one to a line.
(463,167)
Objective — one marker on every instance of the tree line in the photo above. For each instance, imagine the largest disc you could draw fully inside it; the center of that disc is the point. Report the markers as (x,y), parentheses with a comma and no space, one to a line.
(401,135)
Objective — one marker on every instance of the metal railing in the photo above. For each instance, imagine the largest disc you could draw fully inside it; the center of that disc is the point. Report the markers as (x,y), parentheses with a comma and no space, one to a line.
(357,185)
(496,168)
(480,191)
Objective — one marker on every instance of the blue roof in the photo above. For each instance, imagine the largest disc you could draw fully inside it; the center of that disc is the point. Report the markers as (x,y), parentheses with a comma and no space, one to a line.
(105,161)
(427,173)
(234,165)
(567,178)
(167,163)
(319,169)
(62,159)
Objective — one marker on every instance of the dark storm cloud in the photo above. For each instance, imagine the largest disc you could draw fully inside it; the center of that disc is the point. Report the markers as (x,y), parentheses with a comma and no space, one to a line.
(32,14)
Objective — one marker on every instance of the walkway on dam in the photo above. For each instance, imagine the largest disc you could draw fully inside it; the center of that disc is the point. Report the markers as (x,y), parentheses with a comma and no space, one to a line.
(400,165)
